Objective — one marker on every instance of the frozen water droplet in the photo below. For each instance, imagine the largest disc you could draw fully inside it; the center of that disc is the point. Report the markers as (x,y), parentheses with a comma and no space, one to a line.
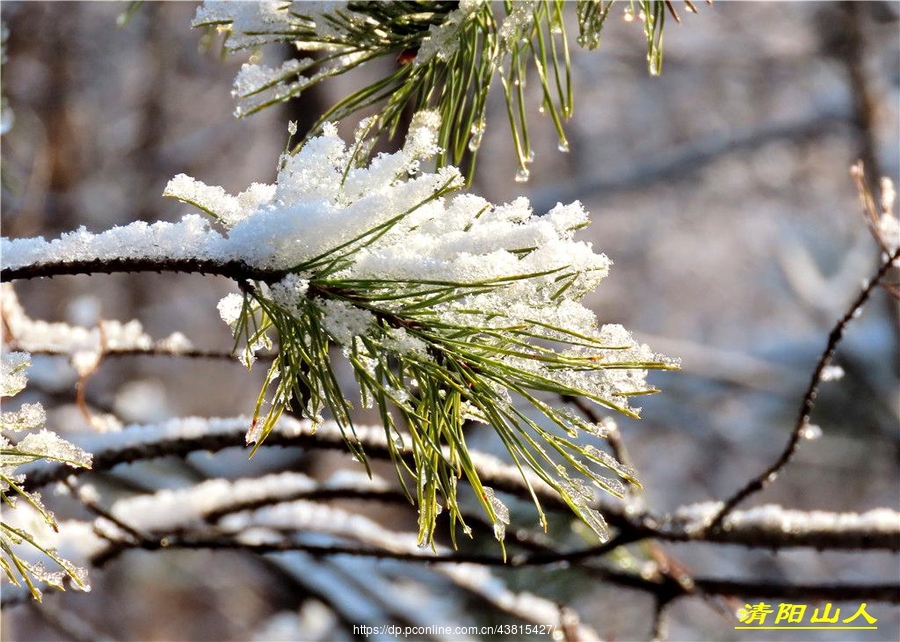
(563,146)
(629,14)
(522,175)
(477,132)
(501,513)
(832,373)
(811,432)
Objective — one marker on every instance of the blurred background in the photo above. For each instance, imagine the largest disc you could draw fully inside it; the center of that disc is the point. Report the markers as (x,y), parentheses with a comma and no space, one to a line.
(720,190)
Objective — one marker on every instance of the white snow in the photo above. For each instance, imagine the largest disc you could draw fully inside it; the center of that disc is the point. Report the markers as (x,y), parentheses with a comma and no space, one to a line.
(501,513)
(832,373)
(796,522)
(317,205)
(443,39)
(12,372)
(48,444)
(84,345)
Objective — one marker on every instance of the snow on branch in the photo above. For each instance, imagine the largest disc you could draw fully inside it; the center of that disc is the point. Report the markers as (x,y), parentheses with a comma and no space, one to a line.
(197,518)
(80,343)
(27,522)
(768,526)
(446,309)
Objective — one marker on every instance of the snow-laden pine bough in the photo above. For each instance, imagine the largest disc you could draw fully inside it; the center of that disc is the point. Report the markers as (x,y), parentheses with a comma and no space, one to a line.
(449,310)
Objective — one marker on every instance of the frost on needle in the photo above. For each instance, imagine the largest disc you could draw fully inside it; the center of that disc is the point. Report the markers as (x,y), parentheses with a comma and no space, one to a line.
(448,309)
(24,529)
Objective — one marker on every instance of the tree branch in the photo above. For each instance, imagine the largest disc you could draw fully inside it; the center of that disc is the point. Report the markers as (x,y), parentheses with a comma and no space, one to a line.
(666,587)
(834,338)
(770,527)
(236,270)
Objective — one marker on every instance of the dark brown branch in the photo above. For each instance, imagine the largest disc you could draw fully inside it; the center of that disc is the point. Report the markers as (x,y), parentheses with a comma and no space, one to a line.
(154,351)
(775,589)
(851,46)
(663,588)
(742,527)
(667,588)
(809,398)
(236,270)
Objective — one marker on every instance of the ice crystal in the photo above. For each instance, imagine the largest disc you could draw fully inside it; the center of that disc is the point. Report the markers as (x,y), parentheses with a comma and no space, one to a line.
(443,39)
(13,373)
(30,415)
(832,373)
(21,531)
(501,513)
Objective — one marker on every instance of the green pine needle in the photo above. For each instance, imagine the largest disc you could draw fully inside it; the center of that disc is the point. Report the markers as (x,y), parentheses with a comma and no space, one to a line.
(445,57)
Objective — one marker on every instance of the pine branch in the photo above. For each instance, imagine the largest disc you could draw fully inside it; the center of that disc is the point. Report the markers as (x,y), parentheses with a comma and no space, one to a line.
(432,340)
(446,55)
(235,270)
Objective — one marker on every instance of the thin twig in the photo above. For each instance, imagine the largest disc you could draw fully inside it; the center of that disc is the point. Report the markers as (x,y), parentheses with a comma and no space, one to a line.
(682,162)
(66,623)
(809,399)
(660,628)
(851,48)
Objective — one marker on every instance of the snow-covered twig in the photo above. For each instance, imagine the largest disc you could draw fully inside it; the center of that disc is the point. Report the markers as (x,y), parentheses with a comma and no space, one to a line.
(767,526)
(236,270)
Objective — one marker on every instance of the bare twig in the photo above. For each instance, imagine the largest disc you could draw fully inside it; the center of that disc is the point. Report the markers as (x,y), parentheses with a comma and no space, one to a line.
(809,398)
(153,351)
(659,631)
(69,625)
(851,50)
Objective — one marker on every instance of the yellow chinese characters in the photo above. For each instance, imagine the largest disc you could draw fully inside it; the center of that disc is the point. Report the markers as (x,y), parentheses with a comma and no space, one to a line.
(791,616)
